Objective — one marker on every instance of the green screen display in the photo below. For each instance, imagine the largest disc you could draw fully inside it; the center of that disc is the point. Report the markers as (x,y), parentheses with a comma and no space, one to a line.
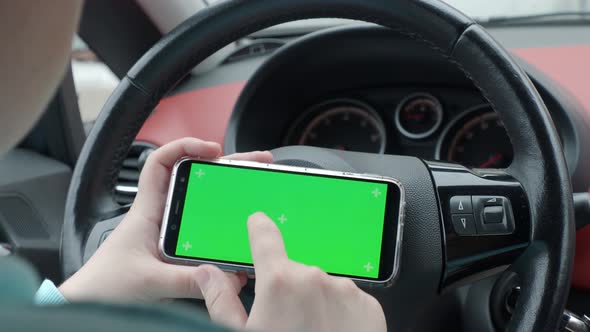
(333,223)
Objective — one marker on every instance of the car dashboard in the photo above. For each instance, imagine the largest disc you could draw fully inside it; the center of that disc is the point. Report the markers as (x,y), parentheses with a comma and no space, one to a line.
(357,87)
(370,89)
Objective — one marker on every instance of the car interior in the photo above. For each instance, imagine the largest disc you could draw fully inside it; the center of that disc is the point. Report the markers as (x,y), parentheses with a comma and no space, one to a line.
(474,115)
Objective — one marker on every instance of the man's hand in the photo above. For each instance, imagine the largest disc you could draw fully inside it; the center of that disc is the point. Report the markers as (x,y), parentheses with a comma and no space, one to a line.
(127,267)
(290,296)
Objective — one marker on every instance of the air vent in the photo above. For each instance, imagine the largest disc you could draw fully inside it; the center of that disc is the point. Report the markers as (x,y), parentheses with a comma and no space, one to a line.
(126,187)
(258,47)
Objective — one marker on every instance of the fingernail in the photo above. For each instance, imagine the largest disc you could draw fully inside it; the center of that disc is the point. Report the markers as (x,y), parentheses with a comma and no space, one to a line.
(252,219)
(257,216)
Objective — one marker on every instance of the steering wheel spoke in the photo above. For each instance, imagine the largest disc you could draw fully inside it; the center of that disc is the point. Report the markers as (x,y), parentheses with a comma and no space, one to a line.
(102,229)
(486,220)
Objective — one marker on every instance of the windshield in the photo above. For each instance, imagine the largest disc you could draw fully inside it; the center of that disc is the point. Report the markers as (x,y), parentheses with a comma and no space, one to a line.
(167,14)
(483,10)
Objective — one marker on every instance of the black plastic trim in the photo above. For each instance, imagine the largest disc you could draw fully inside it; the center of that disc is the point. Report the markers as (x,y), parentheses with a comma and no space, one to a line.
(119,32)
(467,256)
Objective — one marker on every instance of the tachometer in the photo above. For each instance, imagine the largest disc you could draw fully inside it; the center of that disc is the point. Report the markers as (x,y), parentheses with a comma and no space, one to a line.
(418,116)
(341,124)
(476,138)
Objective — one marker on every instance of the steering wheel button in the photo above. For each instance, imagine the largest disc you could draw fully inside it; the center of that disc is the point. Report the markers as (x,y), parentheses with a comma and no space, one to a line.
(464,224)
(492,200)
(493,214)
(461,204)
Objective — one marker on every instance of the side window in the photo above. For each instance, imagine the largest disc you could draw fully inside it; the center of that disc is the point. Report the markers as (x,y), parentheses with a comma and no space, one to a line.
(93,79)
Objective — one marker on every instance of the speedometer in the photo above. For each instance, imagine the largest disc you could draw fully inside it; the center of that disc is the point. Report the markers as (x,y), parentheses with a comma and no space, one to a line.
(476,138)
(342,124)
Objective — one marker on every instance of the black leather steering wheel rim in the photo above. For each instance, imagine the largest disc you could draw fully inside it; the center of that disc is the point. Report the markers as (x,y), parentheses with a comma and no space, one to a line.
(538,164)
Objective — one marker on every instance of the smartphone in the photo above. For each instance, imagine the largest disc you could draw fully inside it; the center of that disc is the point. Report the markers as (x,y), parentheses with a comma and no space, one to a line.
(345,223)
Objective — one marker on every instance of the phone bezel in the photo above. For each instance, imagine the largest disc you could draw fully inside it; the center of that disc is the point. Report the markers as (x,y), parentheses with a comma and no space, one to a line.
(392,233)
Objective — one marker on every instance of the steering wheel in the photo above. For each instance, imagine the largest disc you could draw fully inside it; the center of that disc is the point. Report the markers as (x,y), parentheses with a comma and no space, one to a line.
(534,241)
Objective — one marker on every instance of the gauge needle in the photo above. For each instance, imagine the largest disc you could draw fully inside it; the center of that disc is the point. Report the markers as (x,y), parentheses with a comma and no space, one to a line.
(492,160)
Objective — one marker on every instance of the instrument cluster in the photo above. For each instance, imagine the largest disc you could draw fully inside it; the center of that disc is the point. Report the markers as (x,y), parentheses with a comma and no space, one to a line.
(474,137)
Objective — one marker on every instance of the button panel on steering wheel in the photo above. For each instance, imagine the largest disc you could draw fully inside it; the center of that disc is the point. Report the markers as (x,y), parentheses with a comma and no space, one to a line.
(481,215)
(486,219)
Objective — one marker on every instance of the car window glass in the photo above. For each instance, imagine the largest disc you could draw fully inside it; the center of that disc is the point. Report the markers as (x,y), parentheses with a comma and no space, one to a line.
(93,79)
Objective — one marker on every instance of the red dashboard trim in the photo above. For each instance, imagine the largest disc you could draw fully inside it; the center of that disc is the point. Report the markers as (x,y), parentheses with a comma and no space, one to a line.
(204,113)
(569,66)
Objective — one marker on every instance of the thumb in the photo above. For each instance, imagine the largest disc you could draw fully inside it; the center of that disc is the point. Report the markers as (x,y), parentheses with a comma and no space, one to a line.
(221,297)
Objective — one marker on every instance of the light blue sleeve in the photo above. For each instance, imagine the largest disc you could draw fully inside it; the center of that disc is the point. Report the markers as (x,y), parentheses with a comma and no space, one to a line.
(48,294)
